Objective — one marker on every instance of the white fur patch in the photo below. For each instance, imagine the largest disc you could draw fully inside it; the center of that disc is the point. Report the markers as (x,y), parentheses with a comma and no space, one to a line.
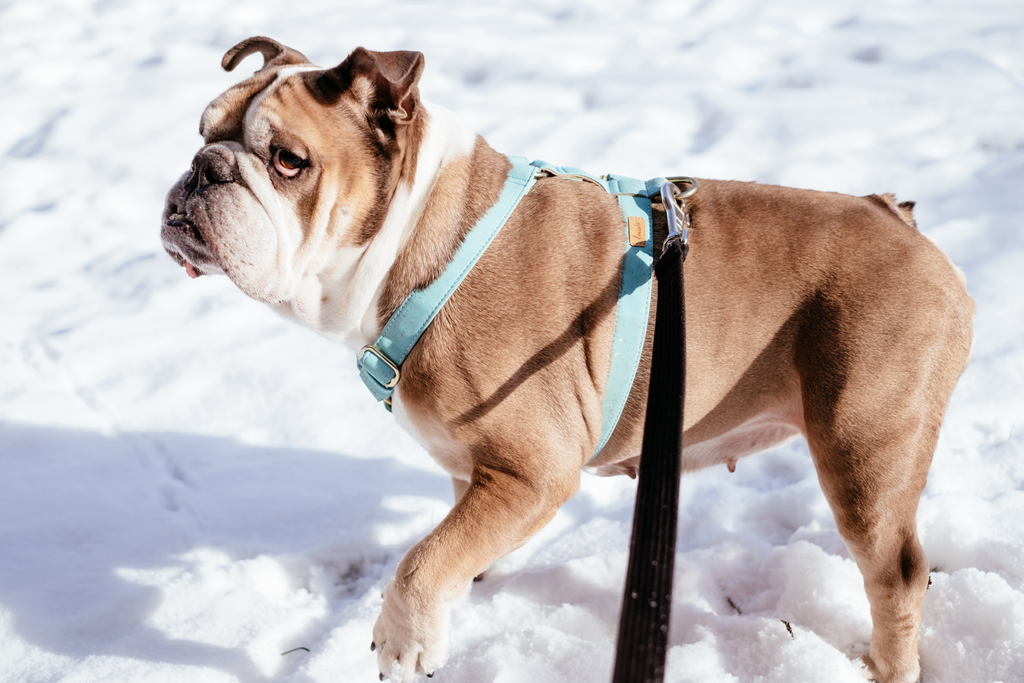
(351,280)
(287,229)
(454,457)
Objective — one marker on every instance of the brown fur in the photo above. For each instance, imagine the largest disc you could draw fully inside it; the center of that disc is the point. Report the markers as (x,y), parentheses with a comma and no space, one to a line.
(808,313)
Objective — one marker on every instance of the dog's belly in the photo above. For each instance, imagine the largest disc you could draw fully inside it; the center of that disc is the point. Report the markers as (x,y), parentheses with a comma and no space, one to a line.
(757,434)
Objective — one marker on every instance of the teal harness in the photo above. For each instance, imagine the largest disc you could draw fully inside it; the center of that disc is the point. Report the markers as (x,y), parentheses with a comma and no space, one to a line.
(380,363)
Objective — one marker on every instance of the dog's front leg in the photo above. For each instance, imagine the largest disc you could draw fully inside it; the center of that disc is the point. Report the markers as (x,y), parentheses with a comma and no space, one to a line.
(498,512)
(459,488)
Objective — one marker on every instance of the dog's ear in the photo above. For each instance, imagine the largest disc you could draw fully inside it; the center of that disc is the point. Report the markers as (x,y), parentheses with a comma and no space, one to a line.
(383,82)
(274,53)
(223,118)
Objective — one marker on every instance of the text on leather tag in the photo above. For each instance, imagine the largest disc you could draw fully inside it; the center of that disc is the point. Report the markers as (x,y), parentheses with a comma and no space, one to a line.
(637,231)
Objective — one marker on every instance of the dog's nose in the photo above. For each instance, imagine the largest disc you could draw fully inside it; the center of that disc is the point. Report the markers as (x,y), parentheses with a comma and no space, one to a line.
(212,165)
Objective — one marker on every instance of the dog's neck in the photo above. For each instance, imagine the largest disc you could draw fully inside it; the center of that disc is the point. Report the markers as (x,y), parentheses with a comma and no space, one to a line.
(342,299)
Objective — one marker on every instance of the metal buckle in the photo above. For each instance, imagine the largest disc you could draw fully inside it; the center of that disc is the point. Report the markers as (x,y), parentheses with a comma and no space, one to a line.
(370,348)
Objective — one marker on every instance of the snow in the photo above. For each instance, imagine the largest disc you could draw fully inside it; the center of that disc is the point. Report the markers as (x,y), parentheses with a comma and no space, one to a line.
(192,486)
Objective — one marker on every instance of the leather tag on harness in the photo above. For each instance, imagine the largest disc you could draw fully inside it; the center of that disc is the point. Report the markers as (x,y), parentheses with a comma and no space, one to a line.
(637,231)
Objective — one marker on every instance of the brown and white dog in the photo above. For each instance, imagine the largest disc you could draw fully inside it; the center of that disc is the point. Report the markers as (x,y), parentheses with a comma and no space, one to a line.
(330,194)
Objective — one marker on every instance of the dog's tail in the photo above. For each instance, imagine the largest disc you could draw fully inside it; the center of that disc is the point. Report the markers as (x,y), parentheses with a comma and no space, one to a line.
(904,210)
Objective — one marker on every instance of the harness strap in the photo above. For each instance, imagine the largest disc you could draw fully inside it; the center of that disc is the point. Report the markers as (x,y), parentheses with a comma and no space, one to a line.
(634,303)
(379,363)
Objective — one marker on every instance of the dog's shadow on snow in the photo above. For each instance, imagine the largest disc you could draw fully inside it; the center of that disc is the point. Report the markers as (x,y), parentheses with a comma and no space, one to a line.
(85,518)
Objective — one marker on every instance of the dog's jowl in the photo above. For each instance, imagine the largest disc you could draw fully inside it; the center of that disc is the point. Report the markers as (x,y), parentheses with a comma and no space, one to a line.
(331,194)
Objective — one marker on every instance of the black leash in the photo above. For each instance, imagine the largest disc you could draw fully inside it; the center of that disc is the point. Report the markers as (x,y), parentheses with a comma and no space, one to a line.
(647,601)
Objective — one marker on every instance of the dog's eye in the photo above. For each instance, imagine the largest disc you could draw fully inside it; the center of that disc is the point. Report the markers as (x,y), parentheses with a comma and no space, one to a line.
(288,164)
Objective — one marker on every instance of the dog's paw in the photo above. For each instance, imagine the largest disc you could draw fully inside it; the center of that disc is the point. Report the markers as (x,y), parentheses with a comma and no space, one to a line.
(880,675)
(410,637)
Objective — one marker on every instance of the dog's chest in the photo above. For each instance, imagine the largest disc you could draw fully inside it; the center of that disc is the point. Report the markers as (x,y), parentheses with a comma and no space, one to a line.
(434,437)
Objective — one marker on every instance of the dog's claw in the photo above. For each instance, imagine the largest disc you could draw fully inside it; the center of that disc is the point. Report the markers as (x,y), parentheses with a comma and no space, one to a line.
(382,677)
(373,646)
(430,675)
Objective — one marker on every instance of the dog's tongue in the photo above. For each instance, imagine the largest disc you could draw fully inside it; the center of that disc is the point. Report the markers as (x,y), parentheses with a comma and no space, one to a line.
(191,270)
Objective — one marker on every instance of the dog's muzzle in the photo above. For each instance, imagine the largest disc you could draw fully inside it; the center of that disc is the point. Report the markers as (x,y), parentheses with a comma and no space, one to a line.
(181,234)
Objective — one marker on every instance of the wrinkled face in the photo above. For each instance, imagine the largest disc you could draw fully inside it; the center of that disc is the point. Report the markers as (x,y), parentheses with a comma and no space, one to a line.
(298,164)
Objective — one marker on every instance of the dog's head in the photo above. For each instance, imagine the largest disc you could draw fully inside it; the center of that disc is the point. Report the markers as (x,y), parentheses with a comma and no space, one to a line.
(298,164)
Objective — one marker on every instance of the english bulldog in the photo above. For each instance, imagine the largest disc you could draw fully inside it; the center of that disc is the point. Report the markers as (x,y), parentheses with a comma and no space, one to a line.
(331,194)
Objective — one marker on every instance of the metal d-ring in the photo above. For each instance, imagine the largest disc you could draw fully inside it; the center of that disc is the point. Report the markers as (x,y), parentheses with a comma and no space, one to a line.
(683,194)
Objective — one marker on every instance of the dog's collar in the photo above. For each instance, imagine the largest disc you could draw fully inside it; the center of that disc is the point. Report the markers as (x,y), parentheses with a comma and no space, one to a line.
(380,363)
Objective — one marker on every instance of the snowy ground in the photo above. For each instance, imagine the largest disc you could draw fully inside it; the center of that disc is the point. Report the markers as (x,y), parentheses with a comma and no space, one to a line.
(192,486)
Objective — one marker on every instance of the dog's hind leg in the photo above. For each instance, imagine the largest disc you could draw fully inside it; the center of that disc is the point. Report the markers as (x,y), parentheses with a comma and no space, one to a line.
(873,489)
(875,381)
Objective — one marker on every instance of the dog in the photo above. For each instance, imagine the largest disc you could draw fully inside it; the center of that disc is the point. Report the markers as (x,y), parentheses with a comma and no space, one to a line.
(331,194)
